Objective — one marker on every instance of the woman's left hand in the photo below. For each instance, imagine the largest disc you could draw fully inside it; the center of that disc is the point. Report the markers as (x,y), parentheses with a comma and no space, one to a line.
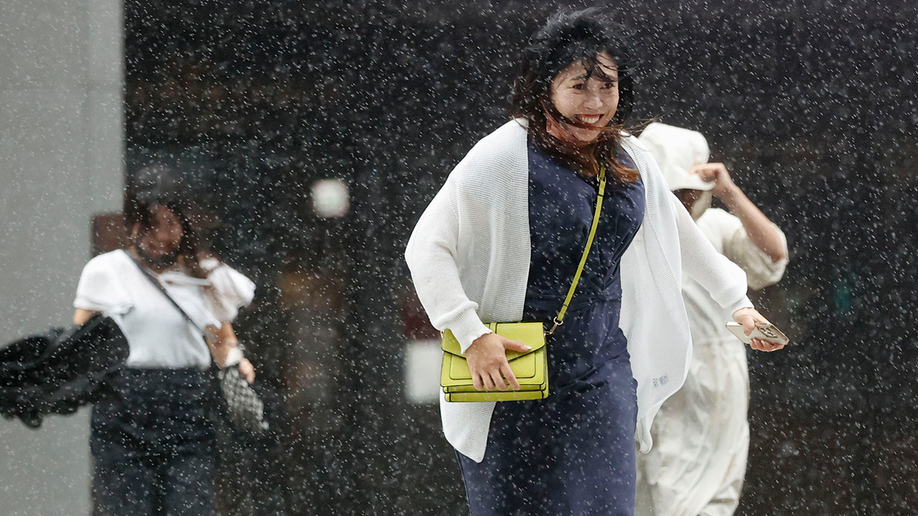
(750,318)
(247,370)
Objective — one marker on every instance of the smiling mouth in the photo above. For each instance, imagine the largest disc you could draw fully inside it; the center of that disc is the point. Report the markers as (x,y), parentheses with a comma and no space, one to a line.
(589,119)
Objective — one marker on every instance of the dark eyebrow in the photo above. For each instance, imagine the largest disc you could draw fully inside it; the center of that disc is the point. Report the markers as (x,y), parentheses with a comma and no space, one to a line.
(582,77)
(598,76)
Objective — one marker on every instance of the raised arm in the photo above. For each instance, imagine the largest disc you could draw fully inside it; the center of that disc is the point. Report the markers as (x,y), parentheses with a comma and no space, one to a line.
(762,233)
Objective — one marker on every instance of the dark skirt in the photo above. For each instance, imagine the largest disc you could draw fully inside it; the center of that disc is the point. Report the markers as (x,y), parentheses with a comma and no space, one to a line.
(572,453)
(153,446)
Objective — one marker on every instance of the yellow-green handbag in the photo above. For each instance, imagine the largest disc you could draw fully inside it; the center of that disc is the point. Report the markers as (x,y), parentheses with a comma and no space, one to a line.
(531,367)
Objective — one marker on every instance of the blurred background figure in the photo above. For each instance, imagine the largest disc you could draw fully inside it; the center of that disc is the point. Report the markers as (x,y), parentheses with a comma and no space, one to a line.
(701,434)
(154,444)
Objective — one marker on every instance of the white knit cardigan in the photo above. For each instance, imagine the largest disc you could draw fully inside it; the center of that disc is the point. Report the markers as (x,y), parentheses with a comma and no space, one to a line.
(469,259)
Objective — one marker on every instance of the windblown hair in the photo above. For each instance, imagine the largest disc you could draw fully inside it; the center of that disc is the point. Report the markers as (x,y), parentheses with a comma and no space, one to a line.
(568,38)
(140,201)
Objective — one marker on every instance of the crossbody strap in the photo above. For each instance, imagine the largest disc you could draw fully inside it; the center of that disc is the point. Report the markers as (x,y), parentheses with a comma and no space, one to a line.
(149,275)
(559,320)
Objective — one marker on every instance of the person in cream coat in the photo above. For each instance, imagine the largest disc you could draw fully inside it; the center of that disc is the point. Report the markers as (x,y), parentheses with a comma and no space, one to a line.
(701,434)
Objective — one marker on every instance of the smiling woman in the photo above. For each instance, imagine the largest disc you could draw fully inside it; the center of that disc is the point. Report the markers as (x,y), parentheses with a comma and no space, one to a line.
(577,96)
(586,96)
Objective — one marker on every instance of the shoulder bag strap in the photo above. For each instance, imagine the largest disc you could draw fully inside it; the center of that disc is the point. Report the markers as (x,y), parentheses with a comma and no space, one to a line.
(559,320)
(149,275)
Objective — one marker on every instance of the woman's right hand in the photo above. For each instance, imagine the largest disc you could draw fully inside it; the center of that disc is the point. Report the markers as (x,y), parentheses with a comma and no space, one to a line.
(488,363)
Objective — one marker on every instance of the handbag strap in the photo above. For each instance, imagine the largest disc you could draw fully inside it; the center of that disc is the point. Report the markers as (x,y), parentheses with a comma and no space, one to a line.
(149,275)
(559,320)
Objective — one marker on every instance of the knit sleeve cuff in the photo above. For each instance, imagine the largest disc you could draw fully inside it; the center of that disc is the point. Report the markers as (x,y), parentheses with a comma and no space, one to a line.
(467,327)
(739,305)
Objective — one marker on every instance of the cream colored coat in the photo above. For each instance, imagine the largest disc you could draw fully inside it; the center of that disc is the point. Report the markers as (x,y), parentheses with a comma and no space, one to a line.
(701,433)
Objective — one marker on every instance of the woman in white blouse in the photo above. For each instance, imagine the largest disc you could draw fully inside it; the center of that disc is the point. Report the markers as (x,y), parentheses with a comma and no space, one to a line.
(501,241)
(153,444)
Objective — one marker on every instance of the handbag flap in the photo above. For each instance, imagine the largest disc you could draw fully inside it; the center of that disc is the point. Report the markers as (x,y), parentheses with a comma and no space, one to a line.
(531,334)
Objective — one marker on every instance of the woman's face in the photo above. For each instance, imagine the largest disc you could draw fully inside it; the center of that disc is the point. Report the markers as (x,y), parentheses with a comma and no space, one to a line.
(590,99)
(164,236)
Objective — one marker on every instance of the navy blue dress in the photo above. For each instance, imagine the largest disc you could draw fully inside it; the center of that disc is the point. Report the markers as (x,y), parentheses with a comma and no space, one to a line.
(572,453)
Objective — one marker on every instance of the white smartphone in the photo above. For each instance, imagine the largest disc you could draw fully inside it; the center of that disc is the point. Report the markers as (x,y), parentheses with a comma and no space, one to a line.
(765,332)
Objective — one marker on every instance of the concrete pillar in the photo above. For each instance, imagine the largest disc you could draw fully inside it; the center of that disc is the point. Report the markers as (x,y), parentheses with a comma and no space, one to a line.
(61,148)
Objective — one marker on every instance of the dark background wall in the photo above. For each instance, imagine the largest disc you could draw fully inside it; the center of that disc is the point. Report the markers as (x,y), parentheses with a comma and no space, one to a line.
(813,105)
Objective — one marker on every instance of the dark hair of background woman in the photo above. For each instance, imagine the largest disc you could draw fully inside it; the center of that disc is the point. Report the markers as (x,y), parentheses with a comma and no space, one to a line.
(146,191)
(570,37)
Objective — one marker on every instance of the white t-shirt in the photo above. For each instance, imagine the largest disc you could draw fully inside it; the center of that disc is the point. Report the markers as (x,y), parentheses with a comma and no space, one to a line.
(158,335)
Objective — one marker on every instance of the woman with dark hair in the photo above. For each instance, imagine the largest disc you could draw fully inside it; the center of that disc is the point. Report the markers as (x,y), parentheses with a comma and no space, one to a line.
(501,242)
(153,444)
